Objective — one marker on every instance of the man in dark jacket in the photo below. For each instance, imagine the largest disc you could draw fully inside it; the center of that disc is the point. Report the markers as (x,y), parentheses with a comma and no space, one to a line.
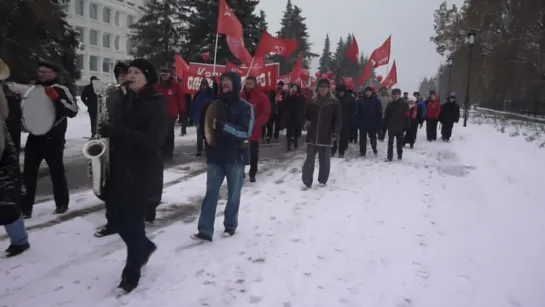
(274,125)
(50,146)
(205,95)
(369,118)
(348,106)
(90,100)
(13,121)
(323,125)
(397,119)
(137,130)
(450,114)
(227,157)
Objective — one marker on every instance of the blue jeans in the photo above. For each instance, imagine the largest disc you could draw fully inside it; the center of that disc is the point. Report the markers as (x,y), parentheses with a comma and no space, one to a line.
(214,179)
(17,233)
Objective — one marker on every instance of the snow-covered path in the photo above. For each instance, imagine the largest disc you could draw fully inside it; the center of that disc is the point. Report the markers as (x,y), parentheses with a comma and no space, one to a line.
(458,224)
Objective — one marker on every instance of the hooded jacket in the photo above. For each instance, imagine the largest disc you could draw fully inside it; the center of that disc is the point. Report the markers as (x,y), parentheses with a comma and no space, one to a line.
(262,110)
(233,127)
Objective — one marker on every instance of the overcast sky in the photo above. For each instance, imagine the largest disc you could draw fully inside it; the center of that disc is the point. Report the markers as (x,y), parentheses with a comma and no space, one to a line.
(410,22)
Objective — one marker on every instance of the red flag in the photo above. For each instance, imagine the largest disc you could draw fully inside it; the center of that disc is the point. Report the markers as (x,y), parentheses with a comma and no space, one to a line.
(391,79)
(237,48)
(228,22)
(366,74)
(353,51)
(280,46)
(381,55)
(180,65)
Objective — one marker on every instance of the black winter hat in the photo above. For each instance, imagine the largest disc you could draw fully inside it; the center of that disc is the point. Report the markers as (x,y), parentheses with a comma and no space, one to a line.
(120,68)
(396,91)
(322,82)
(370,89)
(49,65)
(147,69)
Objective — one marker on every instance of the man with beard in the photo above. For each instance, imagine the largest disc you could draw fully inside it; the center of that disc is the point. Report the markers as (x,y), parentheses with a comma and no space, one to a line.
(49,147)
(227,158)
(262,112)
(450,114)
(396,116)
(348,106)
(369,119)
(323,124)
(385,99)
(172,91)
(90,99)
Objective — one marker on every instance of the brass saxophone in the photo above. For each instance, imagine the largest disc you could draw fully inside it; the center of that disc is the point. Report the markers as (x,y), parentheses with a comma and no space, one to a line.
(97,149)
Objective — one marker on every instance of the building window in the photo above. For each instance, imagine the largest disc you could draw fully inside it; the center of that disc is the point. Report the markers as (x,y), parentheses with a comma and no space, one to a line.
(116,42)
(93,63)
(79,62)
(130,21)
(93,11)
(129,45)
(106,39)
(80,7)
(93,37)
(106,14)
(116,18)
(81,34)
(106,65)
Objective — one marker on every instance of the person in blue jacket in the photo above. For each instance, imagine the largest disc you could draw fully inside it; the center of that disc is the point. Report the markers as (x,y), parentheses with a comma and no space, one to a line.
(203,96)
(421,108)
(369,118)
(227,158)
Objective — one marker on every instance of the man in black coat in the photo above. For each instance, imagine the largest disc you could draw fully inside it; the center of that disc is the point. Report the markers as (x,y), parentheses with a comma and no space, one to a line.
(90,99)
(397,119)
(348,106)
(137,131)
(369,119)
(450,114)
(323,125)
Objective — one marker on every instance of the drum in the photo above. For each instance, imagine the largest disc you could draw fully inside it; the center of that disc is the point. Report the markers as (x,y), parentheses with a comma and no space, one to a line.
(215,111)
(38,111)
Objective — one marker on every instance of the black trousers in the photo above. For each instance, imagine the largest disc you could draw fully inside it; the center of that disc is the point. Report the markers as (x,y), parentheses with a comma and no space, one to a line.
(51,150)
(200,140)
(431,129)
(93,119)
(446,130)
(14,129)
(342,143)
(372,133)
(168,146)
(410,137)
(293,131)
(273,127)
(130,226)
(382,131)
(254,158)
(398,137)
(183,119)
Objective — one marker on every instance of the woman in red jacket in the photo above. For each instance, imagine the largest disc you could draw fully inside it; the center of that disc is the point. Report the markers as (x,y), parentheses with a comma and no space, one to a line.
(432,116)
(262,113)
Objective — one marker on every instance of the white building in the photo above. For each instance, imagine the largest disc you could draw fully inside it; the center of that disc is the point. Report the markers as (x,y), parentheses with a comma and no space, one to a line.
(104,34)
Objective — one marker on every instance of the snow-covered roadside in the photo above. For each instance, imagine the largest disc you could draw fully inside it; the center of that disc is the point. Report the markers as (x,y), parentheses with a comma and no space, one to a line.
(451,225)
(531,132)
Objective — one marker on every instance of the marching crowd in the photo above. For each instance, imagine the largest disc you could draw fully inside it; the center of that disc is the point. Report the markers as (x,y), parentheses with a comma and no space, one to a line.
(141,134)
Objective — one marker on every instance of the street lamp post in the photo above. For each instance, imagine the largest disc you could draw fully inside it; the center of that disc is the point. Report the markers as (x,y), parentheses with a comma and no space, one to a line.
(471,41)
(449,63)
(441,72)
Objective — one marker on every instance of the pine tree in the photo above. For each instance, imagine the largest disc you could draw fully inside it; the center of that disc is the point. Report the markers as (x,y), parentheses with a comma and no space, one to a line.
(203,24)
(159,33)
(339,54)
(31,31)
(262,23)
(293,26)
(326,60)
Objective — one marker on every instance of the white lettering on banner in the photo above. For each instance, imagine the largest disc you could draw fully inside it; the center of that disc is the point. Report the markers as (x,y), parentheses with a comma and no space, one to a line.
(194,83)
(263,80)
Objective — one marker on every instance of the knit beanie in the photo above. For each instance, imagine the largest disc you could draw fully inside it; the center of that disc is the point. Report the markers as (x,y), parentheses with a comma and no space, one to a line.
(147,69)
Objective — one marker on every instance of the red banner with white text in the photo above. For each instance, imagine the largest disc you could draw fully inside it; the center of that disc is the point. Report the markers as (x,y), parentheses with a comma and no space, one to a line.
(266,79)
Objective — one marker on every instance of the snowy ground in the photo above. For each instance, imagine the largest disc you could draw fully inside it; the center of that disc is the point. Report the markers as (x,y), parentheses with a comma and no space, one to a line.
(457,224)
(532,132)
(79,130)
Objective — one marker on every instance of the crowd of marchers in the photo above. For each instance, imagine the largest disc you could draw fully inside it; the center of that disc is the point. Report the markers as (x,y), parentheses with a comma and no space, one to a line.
(140,129)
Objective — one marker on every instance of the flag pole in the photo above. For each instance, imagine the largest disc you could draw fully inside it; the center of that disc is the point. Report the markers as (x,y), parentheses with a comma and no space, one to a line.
(248,73)
(215,55)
